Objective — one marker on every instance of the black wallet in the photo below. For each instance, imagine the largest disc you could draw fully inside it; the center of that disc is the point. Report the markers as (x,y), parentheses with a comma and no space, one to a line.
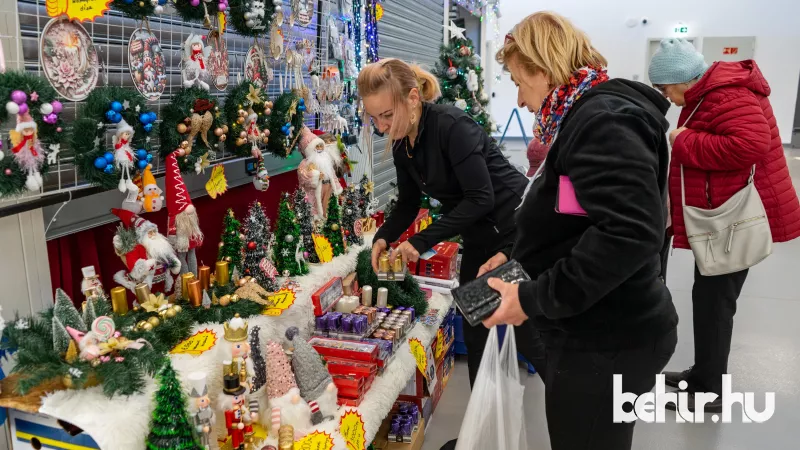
(477,300)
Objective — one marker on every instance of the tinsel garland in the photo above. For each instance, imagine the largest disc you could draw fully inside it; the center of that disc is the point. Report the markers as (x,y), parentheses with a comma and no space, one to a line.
(178,112)
(46,133)
(137,9)
(239,99)
(286,110)
(401,293)
(92,126)
(236,11)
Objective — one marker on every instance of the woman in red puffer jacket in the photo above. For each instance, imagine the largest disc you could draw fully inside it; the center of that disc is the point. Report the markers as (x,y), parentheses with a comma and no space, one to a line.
(733,129)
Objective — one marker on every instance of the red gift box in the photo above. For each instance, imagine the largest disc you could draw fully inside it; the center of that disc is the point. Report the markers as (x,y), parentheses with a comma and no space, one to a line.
(327,296)
(443,264)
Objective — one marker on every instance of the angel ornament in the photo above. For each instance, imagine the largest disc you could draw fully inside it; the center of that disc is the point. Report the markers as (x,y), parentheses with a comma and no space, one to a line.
(123,156)
(27,150)
(195,58)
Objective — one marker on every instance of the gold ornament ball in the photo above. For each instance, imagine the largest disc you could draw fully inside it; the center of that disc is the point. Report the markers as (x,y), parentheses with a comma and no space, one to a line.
(177,309)
(218,132)
(243,134)
(182,128)
(171,312)
(148,327)
(224,300)
(335,227)
(67,381)
(234,298)
(240,120)
(153,321)
(224,128)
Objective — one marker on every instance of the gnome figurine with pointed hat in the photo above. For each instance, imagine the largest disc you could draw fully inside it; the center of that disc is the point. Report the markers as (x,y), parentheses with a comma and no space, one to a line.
(203,416)
(147,254)
(27,150)
(286,405)
(317,173)
(123,155)
(315,383)
(183,224)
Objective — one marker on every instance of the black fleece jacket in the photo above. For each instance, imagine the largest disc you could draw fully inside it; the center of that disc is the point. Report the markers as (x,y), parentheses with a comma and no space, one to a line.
(595,279)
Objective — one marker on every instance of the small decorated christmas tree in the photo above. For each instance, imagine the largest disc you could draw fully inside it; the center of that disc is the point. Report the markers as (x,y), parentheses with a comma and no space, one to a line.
(170,428)
(350,218)
(259,364)
(365,188)
(333,228)
(65,315)
(302,210)
(289,246)
(256,261)
(230,247)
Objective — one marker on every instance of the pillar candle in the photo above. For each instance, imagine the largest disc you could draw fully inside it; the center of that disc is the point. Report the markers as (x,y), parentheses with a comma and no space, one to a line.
(366,296)
(195,293)
(223,278)
(383,297)
(119,300)
(204,275)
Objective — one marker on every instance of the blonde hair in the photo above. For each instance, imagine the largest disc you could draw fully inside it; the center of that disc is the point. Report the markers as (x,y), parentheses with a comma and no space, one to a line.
(550,43)
(398,78)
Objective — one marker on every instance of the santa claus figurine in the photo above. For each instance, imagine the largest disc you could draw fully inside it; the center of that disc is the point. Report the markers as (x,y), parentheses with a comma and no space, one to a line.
(146,253)
(315,383)
(317,172)
(183,225)
(286,405)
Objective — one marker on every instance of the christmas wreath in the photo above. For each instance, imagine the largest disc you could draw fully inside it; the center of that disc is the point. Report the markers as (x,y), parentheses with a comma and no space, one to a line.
(119,109)
(194,125)
(250,107)
(285,124)
(33,102)
(250,18)
(138,9)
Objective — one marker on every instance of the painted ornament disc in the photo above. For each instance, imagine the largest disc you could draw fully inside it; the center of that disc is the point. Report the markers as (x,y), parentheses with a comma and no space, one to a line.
(69,59)
(146,63)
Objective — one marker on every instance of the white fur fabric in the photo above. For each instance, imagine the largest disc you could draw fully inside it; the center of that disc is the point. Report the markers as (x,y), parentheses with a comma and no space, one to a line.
(122,423)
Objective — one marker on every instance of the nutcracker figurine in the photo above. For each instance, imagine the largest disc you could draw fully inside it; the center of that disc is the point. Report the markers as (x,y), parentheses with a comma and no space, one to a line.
(203,416)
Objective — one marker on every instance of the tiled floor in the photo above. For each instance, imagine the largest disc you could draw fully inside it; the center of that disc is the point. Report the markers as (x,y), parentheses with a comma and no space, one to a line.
(765,357)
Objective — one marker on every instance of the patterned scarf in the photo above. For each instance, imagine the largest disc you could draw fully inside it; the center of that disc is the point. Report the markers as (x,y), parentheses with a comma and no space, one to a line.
(556,105)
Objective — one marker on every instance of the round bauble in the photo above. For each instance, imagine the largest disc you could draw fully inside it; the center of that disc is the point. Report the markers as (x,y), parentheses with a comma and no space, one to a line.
(182,128)
(153,321)
(452,73)
(289,238)
(225,300)
(234,298)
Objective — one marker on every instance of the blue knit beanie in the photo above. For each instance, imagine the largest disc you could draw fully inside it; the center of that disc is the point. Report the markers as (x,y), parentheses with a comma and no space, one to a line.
(676,61)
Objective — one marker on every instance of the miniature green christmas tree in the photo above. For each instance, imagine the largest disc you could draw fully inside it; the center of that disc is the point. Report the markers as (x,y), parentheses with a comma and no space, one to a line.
(65,315)
(350,217)
(231,243)
(170,428)
(302,210)
(333,228)
(256,245)
(288,242)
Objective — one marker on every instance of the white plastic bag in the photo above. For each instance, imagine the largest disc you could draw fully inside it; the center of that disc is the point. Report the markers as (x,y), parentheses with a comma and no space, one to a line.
(495,417)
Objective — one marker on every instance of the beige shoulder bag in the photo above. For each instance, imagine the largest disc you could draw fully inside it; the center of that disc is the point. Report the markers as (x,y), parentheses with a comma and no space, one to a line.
(732,237)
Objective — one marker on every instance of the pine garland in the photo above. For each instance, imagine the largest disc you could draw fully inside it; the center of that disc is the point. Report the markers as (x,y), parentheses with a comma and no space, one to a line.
(138,9)
(46,133)
(170,427)
(284,250)
(238,100)
(176,113)
(401,293)
(302,210)
(237,9)
(93,125)
(286,110)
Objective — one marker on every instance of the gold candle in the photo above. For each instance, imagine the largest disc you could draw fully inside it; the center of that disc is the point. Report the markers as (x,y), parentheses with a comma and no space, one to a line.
(185,279)
(397,265)
(142,293)
(195,293)
(383,263)
(204,275)
(223,278)
(119,300)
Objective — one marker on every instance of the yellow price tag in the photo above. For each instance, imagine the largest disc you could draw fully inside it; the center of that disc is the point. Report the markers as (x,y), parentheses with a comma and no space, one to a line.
(79,10)
(323,247)
(279,302)
(439,344)
(418,350)
(318,440)
(195,345)
(217,184)
(351,425)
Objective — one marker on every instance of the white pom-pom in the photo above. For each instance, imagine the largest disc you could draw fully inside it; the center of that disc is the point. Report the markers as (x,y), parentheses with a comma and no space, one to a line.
(46,108)
(12,108)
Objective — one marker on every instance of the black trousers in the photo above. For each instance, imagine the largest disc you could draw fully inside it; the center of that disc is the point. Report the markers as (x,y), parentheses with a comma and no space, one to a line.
(713,306)
(579,392)
(528,341)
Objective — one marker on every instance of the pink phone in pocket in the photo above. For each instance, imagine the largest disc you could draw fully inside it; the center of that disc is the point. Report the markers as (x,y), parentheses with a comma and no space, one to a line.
(567,202)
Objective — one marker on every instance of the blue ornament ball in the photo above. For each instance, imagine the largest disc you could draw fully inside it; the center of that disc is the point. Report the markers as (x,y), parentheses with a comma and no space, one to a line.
(141,153)
(152,117)
(109,169)
(148,127)
(109,157)
(117,118)
(149,157)
(116,107)
(100,163)
(110,115)
(142,165)
(144,118)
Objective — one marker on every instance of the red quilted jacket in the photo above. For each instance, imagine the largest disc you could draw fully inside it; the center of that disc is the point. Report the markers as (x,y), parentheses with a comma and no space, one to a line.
(733,128)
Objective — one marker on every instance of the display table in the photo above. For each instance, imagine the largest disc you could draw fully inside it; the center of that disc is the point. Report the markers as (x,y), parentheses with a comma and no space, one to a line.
(122,423)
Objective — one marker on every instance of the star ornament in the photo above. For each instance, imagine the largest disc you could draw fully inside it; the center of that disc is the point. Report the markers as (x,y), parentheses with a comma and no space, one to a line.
(254,96)
(455,31)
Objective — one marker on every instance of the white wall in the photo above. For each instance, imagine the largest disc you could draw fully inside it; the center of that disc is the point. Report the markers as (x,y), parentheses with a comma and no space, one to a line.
(773,22)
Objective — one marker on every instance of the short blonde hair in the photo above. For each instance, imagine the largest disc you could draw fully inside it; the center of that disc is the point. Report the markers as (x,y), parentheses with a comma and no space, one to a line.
(550,43)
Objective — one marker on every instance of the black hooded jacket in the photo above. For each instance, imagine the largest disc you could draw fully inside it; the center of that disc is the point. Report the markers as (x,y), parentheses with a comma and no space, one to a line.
(595,278)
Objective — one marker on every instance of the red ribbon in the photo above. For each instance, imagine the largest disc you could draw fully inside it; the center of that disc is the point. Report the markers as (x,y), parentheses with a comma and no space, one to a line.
(26,139)
(198,59)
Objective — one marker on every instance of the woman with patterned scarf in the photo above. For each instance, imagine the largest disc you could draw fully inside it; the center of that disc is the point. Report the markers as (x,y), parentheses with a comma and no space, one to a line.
(589,233)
